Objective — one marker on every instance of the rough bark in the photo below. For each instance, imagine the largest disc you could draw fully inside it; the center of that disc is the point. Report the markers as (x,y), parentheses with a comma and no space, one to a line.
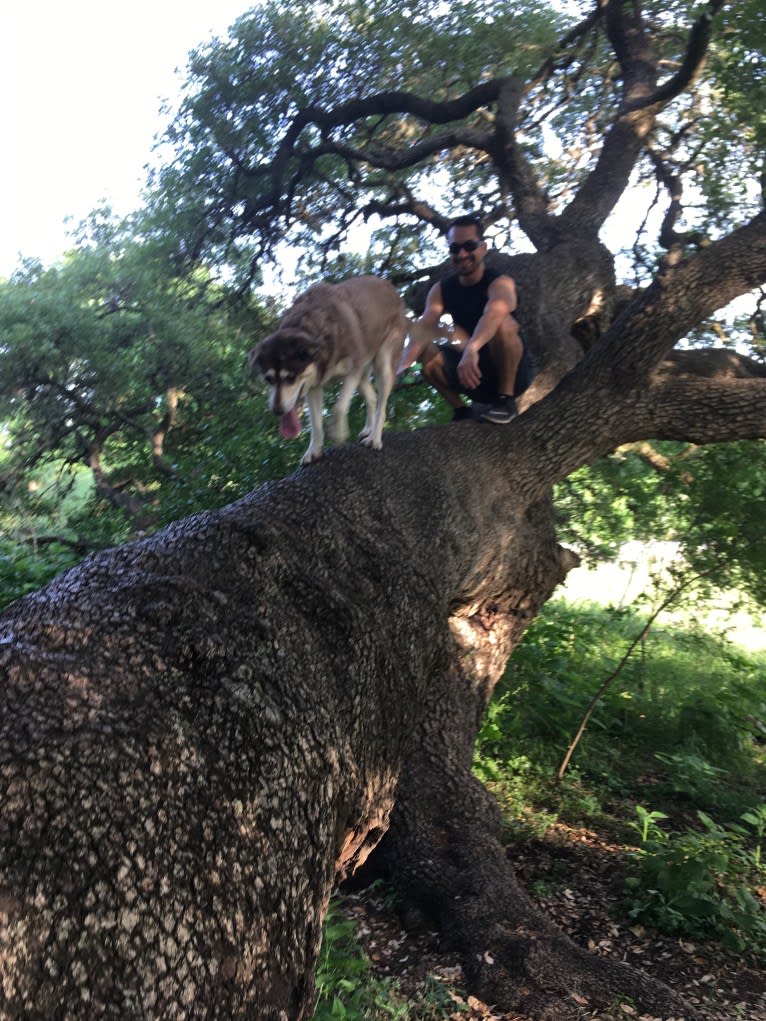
(202,730)
(198,730)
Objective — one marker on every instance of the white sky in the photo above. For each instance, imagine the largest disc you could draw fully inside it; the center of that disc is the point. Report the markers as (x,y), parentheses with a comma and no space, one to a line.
(82,82)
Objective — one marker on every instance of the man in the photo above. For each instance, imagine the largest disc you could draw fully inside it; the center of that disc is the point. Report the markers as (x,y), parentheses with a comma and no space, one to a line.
(486,359)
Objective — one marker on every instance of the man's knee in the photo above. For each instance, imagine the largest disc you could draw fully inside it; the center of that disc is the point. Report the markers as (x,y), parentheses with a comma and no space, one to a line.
(509,334)
(431,361)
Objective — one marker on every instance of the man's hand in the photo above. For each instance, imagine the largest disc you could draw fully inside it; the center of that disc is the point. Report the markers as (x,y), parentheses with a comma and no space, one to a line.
(421,335)
(468,368)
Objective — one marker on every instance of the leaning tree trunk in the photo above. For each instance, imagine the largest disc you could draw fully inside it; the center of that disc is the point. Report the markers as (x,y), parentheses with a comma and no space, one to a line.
(203,731)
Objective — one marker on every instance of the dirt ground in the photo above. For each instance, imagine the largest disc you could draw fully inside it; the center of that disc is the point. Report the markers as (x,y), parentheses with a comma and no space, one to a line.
(578,879)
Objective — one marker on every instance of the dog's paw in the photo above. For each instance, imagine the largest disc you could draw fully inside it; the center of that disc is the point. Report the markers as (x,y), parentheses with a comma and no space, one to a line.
(373,442)
(310,456)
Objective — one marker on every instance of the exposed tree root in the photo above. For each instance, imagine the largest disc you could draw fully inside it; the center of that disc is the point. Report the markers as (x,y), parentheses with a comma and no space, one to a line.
(448,858)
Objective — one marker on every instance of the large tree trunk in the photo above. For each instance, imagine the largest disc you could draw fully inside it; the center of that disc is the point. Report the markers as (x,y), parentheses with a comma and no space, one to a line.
(204,730)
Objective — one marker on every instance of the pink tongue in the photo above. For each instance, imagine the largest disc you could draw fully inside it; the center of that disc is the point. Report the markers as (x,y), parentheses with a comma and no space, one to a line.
(290,424)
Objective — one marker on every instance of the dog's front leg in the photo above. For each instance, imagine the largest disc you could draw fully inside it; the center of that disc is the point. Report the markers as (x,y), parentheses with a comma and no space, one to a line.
(315,401)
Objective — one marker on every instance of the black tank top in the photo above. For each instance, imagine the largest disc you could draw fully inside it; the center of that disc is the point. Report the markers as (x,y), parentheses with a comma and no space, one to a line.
(466,304)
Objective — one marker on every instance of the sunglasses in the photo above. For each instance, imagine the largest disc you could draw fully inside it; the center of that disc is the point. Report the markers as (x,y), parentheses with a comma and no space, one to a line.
(470,246)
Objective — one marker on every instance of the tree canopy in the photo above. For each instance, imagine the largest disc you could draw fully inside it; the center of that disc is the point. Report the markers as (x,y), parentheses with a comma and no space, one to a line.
(411,115)
(106,358)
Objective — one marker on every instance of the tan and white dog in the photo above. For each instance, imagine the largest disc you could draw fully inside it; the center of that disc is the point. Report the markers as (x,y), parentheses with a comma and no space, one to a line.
(348,330)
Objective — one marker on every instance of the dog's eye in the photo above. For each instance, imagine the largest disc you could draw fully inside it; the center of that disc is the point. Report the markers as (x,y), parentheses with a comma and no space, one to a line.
(269,375)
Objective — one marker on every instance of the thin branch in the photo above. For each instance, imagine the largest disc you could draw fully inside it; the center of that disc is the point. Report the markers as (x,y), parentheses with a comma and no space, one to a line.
(570,45)
(640,637)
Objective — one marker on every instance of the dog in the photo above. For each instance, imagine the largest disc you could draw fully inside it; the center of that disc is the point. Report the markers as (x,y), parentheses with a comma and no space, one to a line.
(351,330)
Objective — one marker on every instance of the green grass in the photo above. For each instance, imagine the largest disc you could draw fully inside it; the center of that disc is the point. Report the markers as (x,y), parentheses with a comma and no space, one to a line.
(684,723)
(346,987)
(673,758)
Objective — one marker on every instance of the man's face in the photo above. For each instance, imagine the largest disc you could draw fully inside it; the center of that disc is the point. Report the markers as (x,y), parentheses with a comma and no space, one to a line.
(466,262)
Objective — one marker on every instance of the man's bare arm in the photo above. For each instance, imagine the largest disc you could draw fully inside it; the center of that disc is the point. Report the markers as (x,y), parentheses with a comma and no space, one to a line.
(424,330)
(501,302)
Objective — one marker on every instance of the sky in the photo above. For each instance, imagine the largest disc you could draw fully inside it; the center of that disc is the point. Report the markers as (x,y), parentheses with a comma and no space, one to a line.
(82,83)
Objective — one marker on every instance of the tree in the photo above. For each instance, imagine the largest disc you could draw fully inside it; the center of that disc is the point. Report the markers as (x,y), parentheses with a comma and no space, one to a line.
(105,358)
(203,730)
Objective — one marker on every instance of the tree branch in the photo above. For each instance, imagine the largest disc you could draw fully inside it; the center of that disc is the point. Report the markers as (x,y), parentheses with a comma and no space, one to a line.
(572,38)
(641,102)
(402,159)
(516,174)
(601,190)
(699,411)
(383,104)
(680,298)
(694,58)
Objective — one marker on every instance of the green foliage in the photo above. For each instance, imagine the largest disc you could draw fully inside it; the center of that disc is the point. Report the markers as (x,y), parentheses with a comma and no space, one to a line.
(647,823)
(699,882)
(113,363)
(709,500)
(601,506)
(691,775)
(243,92)
(269,143)
(684,728)
(348,991)
(736,141)
(724,514)
(685,692)
(24,568)
(345,987)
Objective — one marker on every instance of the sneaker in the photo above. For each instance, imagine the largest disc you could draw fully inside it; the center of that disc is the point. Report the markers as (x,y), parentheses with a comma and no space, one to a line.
(500,412)
(461,414)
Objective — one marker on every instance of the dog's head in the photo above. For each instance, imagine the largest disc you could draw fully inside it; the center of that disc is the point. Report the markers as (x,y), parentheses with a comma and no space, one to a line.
(287,362)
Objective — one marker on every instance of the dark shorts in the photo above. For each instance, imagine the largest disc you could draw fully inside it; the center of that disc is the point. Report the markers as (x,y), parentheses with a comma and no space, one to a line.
(489,387)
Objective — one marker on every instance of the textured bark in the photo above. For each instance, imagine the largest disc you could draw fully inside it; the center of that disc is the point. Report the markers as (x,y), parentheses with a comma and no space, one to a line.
(197,731)
(204,730)
(443,851)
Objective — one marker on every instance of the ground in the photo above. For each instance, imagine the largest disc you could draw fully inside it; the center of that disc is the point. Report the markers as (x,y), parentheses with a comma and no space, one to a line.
(577,878)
